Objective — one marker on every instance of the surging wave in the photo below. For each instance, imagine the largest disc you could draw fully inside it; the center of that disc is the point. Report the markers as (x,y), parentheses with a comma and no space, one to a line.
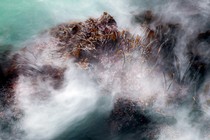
(49,110)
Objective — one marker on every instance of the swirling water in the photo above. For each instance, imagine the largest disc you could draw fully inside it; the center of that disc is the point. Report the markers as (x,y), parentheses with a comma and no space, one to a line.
(75,116)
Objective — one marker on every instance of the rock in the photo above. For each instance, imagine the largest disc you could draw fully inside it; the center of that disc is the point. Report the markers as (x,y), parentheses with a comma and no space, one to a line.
(128,117)
(93,38)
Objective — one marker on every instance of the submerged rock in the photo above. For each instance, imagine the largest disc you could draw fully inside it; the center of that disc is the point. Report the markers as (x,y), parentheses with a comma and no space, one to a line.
(128,117)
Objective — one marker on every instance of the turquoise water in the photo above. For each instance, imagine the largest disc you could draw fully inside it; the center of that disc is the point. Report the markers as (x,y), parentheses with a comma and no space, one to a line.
(22,19)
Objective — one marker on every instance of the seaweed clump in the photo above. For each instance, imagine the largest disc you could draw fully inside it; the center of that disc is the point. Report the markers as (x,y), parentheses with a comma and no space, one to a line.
(88,41)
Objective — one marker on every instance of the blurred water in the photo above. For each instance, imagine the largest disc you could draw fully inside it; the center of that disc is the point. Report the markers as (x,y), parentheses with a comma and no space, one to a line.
(22,19)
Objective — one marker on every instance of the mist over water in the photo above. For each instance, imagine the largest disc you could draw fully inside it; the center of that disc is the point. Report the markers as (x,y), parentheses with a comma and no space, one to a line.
(63,109)
(80,108)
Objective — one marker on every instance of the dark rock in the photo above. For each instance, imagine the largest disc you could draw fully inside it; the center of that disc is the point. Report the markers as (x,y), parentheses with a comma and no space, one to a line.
(128,117)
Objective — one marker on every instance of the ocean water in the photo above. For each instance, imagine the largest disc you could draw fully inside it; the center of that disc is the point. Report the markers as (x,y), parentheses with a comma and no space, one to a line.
(79,112)
(22,19)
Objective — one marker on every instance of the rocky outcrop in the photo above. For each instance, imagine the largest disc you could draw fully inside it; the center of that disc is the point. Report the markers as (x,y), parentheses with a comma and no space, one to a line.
(88,41)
